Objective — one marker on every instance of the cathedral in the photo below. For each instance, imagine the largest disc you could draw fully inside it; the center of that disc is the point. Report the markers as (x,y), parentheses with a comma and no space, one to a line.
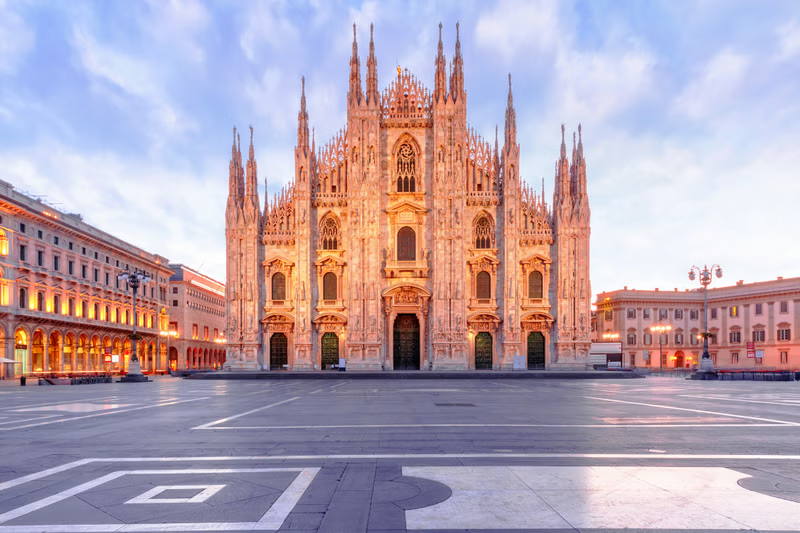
(408,242)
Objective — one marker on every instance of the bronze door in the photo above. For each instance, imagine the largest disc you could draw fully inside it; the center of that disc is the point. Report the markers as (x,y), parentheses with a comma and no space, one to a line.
(278,351)
(330,351)
(535,351)
(406,342)
(483,351)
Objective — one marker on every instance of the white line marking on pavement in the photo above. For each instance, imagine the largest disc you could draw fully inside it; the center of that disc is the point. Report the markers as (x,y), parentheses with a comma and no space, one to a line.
(722,398)
(17,421)
(769,420)
(221,420)
(14,408)
(72,418)
(580,426)
(272,519)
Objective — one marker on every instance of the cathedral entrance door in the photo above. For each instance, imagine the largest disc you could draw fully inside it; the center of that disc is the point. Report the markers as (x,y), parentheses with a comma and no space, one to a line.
(278,351)
(406,342)
(330,351)
(535,351)
(483,351)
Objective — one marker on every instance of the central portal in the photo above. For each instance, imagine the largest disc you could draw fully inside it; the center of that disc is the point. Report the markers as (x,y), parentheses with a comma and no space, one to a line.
(406,342)
(330,351)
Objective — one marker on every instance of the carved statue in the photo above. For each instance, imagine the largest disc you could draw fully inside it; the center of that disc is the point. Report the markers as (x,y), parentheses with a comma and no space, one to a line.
(439,323)
(372,324)
(511,216)
(233,323)
(458,322)
(424,255)
(356,323)
(456,217)
(303,217)
(302,322)
(355,217)
(583,322)
(250,321)
(250,291)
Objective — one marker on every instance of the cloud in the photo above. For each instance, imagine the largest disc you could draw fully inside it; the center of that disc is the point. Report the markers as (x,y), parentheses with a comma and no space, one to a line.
(16,39)
(266,23)
(789,40)
(716,86)
(161,214)
(518,27)
(591,86)
(113,71)
(178,24)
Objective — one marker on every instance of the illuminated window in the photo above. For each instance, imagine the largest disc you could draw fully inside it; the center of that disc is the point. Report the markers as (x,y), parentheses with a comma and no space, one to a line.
(483,285)
(535,285)
(194,331)
(3,243)
(733,311)
(329,288)
(205,333)
(406,244)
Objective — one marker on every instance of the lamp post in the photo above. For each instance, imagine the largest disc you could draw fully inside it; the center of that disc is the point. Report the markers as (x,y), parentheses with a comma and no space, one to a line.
(220,340)
(706,365)
(133,280)
(660,330)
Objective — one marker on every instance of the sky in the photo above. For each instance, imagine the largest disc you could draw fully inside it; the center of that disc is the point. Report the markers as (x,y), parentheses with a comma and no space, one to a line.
(123,112)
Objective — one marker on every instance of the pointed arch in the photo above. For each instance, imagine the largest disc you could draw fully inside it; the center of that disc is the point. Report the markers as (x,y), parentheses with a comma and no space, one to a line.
(330,232)
(483,231)
(407,164)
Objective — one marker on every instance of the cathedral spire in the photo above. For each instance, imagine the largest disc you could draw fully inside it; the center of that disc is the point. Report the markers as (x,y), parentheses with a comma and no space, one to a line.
(440,92)
(240,177)
(234,173)
(266,197)
(511,118)
(302,120)
(457,76)
(580,143)
(372,72)
(355,95)
(252,172)
(563,145)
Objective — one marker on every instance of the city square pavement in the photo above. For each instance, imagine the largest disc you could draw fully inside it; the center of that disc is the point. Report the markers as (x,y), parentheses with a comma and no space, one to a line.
(655,454)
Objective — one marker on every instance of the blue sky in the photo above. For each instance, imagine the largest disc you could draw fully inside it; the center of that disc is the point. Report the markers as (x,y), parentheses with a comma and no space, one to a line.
(123,111)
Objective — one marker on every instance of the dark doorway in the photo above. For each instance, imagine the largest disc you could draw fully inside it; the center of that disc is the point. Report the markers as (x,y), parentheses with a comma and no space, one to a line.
(535,351)
(278,351)
(406,342)
(679,360)
(330,351)
(483,351)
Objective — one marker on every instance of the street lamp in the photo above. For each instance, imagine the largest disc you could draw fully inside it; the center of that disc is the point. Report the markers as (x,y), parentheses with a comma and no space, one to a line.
(660,330)
(610,336)
(706,365)
(133,280)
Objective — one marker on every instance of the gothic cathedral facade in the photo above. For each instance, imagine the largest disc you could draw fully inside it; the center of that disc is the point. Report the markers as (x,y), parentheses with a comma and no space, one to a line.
(408,242)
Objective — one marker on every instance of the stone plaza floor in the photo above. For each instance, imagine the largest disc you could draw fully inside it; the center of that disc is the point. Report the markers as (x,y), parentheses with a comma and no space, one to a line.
(655,454)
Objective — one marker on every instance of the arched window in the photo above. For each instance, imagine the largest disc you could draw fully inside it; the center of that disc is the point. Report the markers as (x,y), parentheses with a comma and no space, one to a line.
(483,285)
(71,306)
(535,284)
(406,244)
(108,313)
(57,304)
(329,289)
(23,297)
(96,312)
(278,286)
(329,234)
(484,235)
(406,169)
(40,301)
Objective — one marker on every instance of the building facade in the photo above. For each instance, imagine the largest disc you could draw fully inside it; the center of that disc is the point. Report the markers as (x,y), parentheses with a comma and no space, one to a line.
(196,333)
(63,309)
(752,325)
(408,242)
